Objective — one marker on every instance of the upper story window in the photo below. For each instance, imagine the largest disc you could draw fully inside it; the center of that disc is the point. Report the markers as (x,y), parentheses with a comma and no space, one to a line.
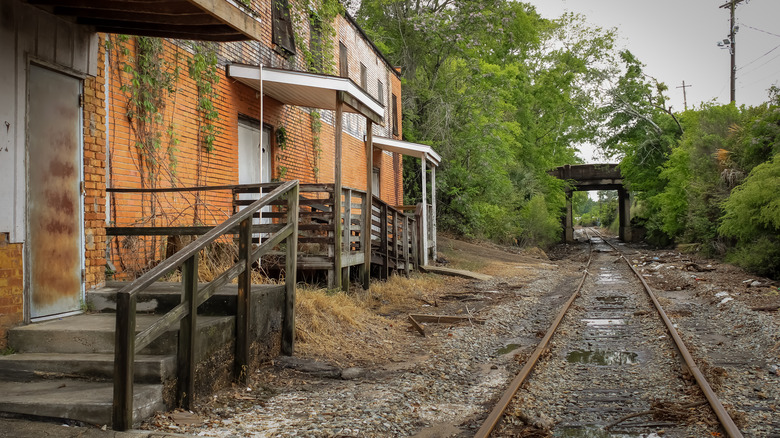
(363,77)
(316,44)
(343,61)
(282,29)
(380,92)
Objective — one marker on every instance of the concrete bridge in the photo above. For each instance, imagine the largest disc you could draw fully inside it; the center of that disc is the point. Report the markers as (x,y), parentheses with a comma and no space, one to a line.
(594,177)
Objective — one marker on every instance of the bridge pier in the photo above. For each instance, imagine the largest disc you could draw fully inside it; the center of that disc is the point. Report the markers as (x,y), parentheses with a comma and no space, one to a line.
(624,214)
(568,220)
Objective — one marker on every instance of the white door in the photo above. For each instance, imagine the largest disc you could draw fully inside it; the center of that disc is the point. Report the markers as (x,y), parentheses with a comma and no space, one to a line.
(254,163)
(54,205)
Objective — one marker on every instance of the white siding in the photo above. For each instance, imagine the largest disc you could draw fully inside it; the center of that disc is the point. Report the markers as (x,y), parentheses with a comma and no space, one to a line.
(28,34)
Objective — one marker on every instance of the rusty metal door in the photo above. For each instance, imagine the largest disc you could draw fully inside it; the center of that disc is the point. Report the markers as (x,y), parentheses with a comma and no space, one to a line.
(54,213)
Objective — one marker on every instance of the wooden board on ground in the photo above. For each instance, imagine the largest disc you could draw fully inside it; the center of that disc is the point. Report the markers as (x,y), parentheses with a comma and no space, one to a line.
(456,273)
(445,319)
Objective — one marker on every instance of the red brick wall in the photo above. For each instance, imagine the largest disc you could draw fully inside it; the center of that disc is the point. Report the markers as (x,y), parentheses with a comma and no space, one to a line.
(299,159)
(11,286)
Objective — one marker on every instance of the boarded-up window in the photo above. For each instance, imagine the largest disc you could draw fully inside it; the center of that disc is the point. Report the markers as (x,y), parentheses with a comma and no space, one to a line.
(282,30)
(343,61)
(394,103)
(363,77)
(380,92)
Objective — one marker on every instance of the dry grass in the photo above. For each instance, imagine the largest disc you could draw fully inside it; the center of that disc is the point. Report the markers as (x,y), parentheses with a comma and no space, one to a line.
(349,329)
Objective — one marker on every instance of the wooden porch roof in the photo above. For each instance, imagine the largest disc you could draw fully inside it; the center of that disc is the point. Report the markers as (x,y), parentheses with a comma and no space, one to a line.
(205,20)
(308,89)
(408,148)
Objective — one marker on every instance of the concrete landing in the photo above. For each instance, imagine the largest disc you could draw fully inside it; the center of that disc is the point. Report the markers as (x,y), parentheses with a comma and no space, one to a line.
(94,333)
(89,402)
(39,428)
(456,273)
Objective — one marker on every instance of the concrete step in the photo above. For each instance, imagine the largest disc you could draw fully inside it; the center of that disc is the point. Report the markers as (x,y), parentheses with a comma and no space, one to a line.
(24,367)
(94,333)
(89,402)
(161,297)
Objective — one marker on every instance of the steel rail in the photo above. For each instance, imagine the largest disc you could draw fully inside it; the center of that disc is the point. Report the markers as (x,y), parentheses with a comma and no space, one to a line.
(724,417)
(498,410)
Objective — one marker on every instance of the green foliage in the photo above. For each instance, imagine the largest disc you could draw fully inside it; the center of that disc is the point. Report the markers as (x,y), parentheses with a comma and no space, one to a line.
(752,218)
(540,224)
(203,69)
(152,83)
(502,94)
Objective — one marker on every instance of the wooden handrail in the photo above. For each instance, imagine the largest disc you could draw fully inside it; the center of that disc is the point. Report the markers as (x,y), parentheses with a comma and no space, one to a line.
(128,343)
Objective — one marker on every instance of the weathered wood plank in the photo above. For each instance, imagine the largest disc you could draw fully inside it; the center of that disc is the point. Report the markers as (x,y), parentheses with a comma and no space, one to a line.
(456,273)
(445,319)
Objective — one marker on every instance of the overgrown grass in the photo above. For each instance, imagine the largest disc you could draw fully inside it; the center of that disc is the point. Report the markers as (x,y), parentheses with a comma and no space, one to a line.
(354,327)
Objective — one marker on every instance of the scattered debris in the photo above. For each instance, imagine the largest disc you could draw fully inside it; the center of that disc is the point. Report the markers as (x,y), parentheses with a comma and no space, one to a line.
(698,268)
(446,319)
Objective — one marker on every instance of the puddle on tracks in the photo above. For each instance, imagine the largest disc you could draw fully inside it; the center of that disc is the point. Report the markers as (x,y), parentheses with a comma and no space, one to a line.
(602,357)
(507,349)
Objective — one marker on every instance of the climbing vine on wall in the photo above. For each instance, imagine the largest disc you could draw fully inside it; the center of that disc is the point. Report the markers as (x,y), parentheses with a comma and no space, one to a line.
(203,69)
(149,81)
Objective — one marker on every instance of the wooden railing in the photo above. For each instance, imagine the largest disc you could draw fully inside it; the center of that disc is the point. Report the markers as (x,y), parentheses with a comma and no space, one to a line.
(128,343)
(394,245)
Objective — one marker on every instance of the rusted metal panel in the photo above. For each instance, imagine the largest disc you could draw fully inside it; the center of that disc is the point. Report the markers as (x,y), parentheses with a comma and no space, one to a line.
(54,196)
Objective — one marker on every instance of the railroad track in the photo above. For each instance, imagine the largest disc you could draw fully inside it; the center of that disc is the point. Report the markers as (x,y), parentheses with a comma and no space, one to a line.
(611,361)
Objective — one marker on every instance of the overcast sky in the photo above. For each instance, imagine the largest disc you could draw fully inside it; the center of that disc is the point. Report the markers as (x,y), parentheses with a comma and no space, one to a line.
(676,40)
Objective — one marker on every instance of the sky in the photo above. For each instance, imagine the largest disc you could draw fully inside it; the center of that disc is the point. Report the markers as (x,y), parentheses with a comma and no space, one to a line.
(677,41)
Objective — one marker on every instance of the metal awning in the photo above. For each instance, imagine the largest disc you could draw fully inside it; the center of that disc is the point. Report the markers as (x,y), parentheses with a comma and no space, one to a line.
(408,148)
(204,20)
(308,89)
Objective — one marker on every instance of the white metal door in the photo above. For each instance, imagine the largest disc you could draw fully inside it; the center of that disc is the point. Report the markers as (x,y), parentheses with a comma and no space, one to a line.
(54,204)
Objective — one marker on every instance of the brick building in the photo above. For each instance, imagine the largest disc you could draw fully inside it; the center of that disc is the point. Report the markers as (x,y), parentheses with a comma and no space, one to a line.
(298,142)
(56,161)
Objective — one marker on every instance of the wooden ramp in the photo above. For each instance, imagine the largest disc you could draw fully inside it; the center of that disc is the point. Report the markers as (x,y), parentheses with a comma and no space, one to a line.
(455,273)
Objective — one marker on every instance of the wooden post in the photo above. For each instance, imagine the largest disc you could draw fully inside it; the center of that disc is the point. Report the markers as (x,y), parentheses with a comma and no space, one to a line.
(185,359)
(291,273)
(337,230)
(346,238)
(424,220)
(243,300)
(432,219)
(395,239)
(368,206)
(406,236)
(384,242)
(124,358)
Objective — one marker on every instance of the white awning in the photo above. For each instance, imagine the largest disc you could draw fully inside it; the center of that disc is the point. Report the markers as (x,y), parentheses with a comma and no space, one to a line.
(407,148)
(308,89)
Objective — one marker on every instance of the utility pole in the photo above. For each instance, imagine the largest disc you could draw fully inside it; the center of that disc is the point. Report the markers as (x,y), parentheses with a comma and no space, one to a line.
(685,97)
(732,5)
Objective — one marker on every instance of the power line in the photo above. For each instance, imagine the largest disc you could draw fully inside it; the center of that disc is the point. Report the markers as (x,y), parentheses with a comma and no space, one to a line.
(765,54)
(760,30)
(758,67)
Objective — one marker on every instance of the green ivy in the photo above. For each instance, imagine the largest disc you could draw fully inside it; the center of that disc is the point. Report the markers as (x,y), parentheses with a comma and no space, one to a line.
(152,80)
(203,69)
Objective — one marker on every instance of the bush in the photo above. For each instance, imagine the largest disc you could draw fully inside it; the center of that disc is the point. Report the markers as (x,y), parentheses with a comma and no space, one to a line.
(539,226)
(752,218)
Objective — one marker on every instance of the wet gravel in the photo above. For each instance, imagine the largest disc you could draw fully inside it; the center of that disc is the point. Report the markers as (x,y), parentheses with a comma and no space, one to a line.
(444,384)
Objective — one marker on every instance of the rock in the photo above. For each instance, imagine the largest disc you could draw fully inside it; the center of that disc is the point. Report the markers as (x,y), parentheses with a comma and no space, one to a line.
(353,373)
(755,284)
